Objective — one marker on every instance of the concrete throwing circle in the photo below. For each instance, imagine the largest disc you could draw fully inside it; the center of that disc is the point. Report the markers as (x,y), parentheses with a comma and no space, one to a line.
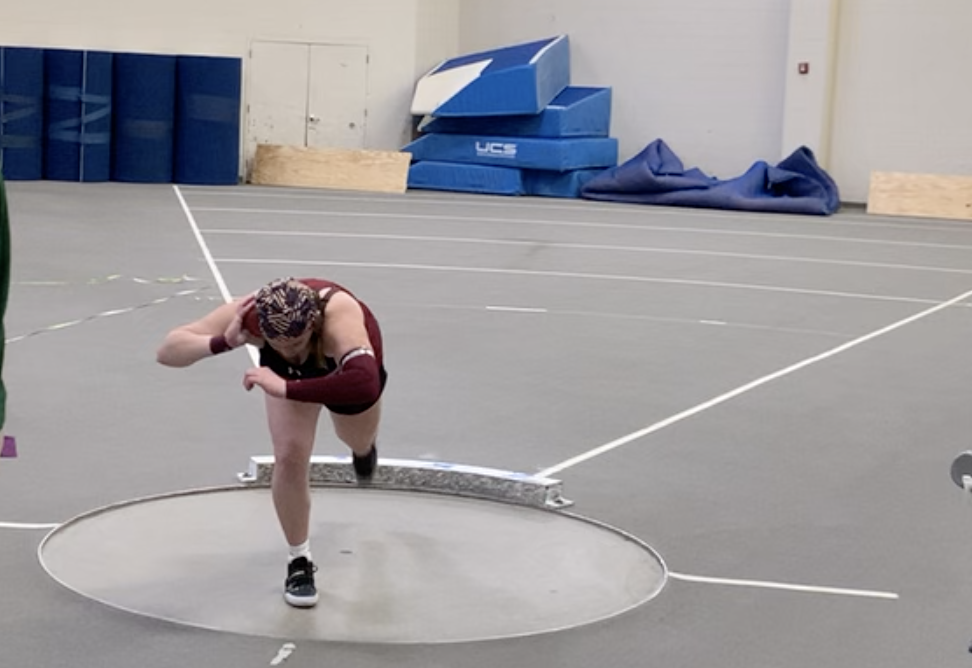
(394,567)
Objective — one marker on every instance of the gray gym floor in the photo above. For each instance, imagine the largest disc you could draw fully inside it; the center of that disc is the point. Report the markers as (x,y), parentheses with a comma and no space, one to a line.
(771,402)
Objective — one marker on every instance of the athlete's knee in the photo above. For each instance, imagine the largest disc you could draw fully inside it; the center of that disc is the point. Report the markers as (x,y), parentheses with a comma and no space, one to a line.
(292,453)
(358,434)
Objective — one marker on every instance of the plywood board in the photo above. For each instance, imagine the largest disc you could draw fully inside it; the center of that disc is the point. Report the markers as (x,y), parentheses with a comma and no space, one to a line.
(920,195)
(331,168)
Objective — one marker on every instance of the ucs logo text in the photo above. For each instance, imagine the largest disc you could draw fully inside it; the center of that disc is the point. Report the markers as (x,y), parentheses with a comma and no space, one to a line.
(495,149)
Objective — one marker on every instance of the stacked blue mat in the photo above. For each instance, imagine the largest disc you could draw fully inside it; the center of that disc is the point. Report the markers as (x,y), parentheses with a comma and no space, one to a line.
(508,122)
(70,115)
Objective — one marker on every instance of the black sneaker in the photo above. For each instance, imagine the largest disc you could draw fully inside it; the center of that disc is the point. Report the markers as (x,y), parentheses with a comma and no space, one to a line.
(364,466)
(299,589)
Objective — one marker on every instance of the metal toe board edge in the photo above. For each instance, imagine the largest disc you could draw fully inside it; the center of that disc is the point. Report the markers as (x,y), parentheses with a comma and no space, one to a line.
(442,477)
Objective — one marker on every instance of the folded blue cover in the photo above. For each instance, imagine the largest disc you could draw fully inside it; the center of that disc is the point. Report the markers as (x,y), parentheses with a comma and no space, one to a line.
(558,155)
(576,112)
(657,176)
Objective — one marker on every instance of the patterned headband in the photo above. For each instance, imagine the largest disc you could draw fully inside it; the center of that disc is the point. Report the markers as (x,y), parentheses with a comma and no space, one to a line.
(286,308)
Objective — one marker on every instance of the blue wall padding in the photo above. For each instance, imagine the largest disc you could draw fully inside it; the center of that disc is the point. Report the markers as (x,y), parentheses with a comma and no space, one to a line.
(559,155)
(657,176)
(22,113)
(144,118)
(78,108)
(207,137)
(481,179)
(520,79)
(576,112)
(557,184)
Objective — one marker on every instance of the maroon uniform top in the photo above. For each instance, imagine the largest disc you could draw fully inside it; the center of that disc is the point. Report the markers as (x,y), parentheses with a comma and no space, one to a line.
(371,323)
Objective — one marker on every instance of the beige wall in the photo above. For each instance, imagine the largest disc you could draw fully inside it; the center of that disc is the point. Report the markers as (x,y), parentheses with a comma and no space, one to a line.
(888,87)
(437,33)
(707,76)
(809,99)
(903,94)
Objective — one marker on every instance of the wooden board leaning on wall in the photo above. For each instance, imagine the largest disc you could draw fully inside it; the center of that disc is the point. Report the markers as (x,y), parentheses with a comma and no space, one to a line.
(330,168)
(920,195)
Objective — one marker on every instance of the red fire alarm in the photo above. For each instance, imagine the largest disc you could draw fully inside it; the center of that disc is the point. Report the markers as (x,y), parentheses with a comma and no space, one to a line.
(803,68)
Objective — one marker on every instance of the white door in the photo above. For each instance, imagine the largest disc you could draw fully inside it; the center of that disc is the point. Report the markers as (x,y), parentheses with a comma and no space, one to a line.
(337,97)
(303,94)
(277,96)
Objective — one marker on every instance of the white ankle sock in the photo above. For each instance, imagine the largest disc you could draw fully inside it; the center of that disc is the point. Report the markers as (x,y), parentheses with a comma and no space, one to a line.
(302,550)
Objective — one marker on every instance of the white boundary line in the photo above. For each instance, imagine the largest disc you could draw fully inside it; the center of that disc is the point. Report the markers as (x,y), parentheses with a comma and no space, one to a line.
(284,654)
(224,291)
(592,247)
(516,309)
(840,219)
(844,336)
(695,410)
(569,274)
(809,589)
(521,222)
(31,527)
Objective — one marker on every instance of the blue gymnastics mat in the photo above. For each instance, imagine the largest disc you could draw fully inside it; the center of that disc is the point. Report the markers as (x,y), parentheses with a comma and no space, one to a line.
(518,79)
(558,155)
(489,180)
(576,112)
(657,176)
(467,178)
(558,184)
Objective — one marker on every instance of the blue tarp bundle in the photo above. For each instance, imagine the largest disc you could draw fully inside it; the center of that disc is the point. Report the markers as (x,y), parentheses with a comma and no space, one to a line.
(657,176)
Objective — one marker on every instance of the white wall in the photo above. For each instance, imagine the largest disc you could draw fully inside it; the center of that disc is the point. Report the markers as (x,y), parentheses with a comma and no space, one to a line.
(904,90)
(437,34)
(390,28)
(807,112)
(707,76)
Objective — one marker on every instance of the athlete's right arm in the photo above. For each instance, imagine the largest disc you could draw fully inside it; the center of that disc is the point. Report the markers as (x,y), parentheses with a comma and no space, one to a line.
(217,332)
